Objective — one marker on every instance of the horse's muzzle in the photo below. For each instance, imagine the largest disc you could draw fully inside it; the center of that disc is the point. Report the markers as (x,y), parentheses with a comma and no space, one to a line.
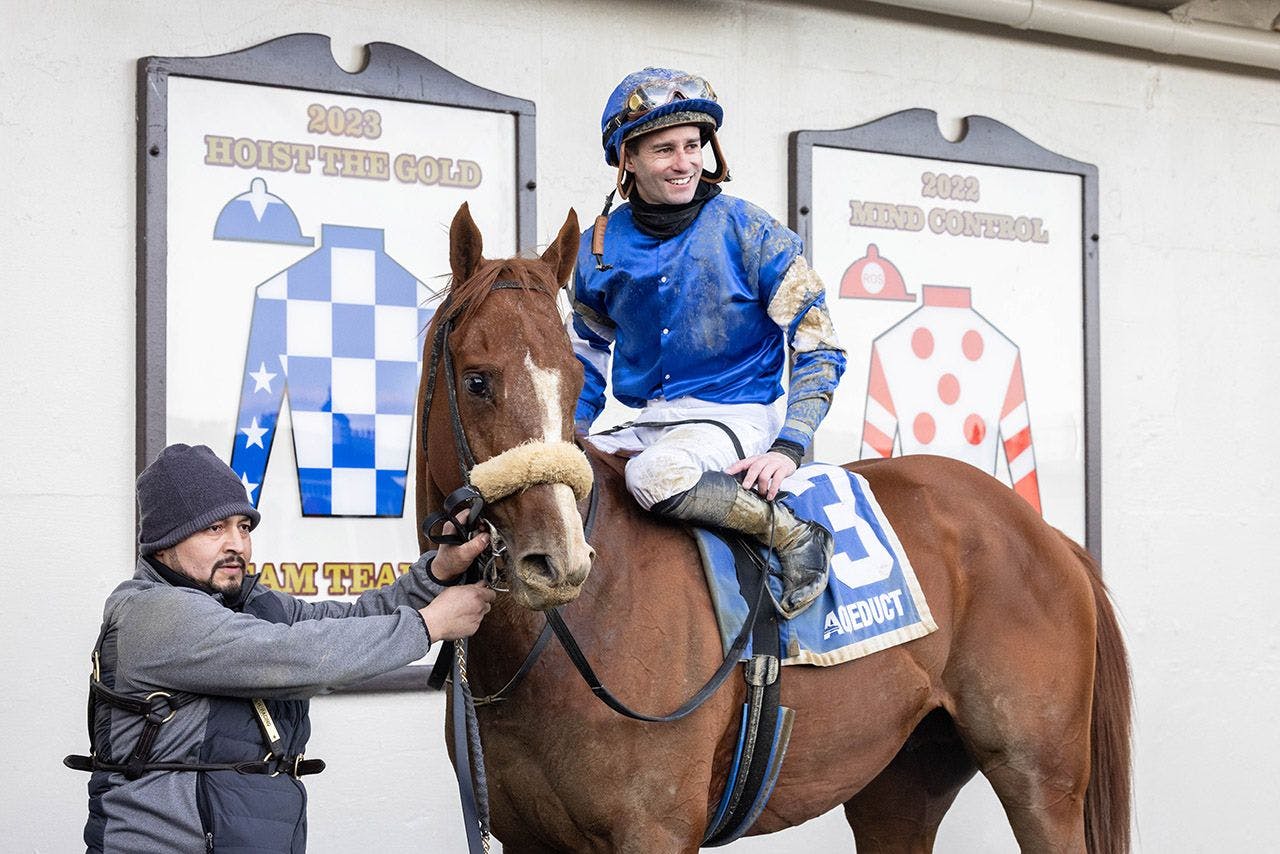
(539,485)
(543,581)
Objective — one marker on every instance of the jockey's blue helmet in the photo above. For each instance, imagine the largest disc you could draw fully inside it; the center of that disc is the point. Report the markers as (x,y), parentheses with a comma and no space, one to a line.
(656,98)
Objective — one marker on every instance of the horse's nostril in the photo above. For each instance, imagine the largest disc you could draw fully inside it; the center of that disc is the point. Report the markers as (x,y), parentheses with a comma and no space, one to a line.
(540,564)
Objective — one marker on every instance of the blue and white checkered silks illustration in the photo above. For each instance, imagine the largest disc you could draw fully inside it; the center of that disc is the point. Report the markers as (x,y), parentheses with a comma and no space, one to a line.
(340,332)
(259,217)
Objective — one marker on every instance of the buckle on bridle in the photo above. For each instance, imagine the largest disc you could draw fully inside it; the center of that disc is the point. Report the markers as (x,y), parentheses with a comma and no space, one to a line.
(493,562)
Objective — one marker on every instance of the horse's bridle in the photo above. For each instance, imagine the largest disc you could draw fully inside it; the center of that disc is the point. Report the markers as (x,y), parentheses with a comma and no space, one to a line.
(465,497)
(469,501)
(471,498)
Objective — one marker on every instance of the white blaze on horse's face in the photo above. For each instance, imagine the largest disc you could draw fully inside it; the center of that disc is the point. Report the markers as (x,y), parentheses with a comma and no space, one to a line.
(546,393)
(546,398)
(551,560)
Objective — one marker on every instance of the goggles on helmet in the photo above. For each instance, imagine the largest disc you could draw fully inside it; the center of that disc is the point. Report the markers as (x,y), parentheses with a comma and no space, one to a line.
(656,93)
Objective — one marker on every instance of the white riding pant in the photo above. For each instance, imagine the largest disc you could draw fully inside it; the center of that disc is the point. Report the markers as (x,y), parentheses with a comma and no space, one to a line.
(672,459)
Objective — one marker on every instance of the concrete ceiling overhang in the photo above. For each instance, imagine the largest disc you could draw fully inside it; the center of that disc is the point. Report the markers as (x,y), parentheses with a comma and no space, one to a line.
(1160,5)
(1238,32)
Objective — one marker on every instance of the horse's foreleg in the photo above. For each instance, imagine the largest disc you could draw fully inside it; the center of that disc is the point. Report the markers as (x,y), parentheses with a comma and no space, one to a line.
(899,811)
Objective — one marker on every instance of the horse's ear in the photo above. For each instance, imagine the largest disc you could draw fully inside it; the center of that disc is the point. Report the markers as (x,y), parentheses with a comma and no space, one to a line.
(465,245)
(563,251)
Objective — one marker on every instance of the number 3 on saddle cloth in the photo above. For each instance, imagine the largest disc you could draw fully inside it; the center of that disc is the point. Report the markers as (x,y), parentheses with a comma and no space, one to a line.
(873,600)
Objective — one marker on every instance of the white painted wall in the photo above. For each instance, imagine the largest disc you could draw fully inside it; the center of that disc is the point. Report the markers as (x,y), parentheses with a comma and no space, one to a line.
(1189,214)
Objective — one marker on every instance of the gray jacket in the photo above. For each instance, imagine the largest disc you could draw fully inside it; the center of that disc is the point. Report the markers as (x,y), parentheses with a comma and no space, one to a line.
(214,656)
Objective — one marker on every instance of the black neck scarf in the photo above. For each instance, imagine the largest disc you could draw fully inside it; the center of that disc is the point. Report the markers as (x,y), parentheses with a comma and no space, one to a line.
(664,221)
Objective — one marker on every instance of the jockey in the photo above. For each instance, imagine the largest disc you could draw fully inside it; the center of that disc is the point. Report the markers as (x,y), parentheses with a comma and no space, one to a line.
(698,297)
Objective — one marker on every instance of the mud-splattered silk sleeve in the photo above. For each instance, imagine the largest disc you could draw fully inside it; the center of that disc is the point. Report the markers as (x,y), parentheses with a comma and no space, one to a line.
(799,307)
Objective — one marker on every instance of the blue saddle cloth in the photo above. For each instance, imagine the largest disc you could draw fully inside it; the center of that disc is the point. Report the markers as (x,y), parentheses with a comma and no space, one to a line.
(873,600)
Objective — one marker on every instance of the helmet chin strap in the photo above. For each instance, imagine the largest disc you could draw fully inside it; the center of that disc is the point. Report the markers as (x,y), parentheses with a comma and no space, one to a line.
(625,182)
(722,167)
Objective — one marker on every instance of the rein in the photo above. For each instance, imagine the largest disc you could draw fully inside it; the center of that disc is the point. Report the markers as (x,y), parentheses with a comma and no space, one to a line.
(730,663)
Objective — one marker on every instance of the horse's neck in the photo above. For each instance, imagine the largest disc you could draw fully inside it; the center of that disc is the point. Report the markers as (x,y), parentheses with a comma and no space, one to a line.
(639,558)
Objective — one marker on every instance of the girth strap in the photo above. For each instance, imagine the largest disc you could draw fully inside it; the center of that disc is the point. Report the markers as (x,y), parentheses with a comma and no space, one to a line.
(765,731)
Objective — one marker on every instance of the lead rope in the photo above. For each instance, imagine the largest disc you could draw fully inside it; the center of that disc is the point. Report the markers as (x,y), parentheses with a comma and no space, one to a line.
(476,788)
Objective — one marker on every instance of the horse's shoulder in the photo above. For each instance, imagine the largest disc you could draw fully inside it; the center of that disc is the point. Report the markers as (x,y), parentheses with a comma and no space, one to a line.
(602,462)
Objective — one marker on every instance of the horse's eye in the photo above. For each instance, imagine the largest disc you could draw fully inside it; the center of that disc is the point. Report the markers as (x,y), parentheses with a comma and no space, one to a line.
(476,384)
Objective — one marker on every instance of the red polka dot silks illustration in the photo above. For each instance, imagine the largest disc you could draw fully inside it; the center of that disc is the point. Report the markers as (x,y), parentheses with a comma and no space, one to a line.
(946,381)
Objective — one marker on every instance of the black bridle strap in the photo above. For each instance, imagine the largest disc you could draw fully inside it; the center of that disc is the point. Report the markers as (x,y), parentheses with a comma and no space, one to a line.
(464,498)
(729,664)
(437,346)
(465,458)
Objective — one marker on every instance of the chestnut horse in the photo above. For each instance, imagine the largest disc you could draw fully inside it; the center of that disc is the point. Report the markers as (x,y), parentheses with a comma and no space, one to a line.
(1026,678)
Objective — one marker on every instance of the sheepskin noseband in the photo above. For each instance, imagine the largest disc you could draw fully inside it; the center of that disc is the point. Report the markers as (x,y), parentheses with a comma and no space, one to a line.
(531,464)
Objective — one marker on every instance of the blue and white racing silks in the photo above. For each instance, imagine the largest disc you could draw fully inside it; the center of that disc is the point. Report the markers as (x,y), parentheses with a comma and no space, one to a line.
(704,314)
(341,332)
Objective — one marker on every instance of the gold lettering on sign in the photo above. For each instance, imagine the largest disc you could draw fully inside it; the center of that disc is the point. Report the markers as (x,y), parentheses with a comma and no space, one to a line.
(346,578)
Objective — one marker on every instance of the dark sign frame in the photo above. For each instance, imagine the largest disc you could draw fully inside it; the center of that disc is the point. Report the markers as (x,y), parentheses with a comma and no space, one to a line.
(300,61)
(915,133)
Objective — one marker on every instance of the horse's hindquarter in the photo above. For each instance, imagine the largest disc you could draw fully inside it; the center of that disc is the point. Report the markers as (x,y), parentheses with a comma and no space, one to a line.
(1008,589)
(1015,628)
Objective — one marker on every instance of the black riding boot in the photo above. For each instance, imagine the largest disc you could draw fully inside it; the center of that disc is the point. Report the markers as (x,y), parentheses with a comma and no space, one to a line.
(804,548)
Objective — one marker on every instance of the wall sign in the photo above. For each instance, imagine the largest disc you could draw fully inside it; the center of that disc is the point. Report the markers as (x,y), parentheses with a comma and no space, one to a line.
(963,277)
(293,231)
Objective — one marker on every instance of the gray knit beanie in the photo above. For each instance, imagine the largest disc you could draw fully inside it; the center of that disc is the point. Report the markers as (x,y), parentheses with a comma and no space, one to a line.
(183,491)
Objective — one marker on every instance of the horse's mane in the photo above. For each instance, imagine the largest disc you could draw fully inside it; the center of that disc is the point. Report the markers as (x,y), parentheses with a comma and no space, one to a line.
(462,299)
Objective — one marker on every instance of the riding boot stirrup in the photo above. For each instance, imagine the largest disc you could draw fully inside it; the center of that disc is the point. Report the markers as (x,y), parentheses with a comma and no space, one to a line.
(804,549)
